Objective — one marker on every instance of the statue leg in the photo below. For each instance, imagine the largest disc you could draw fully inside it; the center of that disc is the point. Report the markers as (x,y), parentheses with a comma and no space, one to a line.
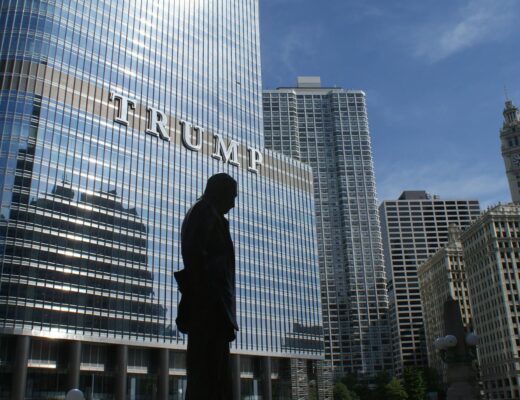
(208,364)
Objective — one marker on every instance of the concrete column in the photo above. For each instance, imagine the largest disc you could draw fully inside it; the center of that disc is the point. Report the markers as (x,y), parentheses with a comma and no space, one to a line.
(163,368)
(21,358)
(267,389)
(235,373)
(299,379)
(120,372)
(73,364)
(324,379)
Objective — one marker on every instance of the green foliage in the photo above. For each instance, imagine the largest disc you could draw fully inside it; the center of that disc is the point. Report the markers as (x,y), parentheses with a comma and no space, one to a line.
(341,392)
(358,390)
(395,391)
(381,387)
(313,390)
(350,381)
(414,384)
(432,380)
(364,392)
(354,395)
(382,379)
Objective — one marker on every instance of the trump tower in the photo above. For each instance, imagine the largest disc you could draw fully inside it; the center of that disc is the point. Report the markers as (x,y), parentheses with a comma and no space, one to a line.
(113,114)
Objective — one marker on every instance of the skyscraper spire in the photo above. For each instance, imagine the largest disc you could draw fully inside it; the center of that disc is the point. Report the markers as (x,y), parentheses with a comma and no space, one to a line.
(511,115)
(510,139)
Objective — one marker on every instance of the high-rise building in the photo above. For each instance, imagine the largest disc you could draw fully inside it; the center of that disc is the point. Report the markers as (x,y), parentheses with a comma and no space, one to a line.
(492,258)
(112,117)
(327,128)
(414,227)
(443,276)
(510,138)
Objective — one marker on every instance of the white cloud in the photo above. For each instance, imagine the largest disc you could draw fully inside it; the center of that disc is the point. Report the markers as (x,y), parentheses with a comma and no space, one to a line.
(479,21)
(449,180)
(298,42)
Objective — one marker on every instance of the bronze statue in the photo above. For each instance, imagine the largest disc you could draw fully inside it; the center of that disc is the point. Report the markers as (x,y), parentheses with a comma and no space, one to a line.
(207,311)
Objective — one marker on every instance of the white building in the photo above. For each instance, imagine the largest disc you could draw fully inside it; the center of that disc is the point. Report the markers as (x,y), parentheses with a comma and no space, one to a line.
(492,255)
(327,128)
(443,276)
(414,227)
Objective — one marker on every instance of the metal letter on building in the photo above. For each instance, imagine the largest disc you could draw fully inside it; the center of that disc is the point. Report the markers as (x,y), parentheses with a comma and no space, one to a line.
(186,135)
(256,158)
(226,154)
(156,123)
(122,110)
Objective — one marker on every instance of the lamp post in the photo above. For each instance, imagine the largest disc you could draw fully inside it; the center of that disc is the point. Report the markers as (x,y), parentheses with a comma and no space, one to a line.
(458,350)
(74,394)
(446,346)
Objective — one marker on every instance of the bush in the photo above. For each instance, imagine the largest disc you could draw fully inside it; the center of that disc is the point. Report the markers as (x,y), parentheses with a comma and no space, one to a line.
(414,384)
(341,392)
(395,391)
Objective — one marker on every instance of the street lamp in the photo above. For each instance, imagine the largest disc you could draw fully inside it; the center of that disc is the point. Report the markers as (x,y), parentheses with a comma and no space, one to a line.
(451,353)
(74,394)
(458,350)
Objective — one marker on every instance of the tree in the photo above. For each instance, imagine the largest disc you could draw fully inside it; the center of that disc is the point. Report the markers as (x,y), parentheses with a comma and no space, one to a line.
(382,379)
(313,390)
(414,384)
(432,380)
(359,390)
(364,392)
(395,391)
(350,381)
(341,392)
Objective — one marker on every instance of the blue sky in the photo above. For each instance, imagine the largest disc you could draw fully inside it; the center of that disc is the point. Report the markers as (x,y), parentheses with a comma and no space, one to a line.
(434,72)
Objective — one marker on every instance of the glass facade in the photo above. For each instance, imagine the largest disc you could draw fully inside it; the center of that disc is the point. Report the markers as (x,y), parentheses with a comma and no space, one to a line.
(98,167)
(328,129)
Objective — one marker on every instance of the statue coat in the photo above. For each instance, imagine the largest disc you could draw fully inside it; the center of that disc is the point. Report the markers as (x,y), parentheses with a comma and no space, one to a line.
(207,283)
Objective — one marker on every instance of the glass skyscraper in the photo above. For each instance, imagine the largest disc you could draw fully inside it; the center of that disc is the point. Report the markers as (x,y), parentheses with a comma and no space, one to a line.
(113,114)
(328,129)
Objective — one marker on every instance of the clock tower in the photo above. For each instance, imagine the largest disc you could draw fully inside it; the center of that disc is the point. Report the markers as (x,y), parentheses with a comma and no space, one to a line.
(510,138)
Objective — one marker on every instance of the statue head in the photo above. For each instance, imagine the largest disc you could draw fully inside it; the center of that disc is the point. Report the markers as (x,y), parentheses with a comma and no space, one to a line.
(221,191)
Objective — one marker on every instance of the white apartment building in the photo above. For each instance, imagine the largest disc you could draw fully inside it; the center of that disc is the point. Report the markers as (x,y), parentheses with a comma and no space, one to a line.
(327,128)
(414,227)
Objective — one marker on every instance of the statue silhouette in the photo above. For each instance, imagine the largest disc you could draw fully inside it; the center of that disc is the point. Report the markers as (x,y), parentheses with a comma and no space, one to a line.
(207,311)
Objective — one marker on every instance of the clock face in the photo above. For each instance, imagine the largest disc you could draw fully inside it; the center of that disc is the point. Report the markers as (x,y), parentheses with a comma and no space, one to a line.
(516,160)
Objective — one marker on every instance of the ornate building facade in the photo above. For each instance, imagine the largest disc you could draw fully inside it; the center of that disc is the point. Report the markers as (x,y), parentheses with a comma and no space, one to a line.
(443,276)
(492,259)
(510,139)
